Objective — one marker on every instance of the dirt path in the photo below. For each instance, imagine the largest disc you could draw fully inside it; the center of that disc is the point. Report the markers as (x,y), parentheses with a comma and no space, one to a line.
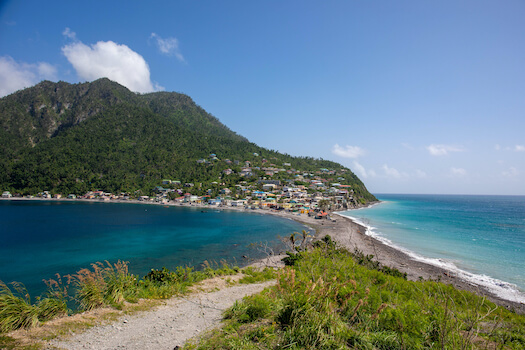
(167,326)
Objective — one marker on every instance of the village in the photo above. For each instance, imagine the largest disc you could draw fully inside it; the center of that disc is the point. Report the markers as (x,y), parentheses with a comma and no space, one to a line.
(256,185)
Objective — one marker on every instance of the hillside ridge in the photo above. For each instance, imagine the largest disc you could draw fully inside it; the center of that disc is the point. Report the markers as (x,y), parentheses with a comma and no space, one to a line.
(73,138)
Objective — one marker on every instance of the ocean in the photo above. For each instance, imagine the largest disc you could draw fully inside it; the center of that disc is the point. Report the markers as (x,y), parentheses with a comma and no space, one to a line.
(42,238)
(480,238)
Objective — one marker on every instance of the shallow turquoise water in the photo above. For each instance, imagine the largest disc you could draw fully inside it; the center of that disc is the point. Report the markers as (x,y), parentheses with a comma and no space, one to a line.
(42,238)
(482,236)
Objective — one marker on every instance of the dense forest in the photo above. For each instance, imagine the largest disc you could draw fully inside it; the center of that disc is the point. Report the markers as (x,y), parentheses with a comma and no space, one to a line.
(72,138)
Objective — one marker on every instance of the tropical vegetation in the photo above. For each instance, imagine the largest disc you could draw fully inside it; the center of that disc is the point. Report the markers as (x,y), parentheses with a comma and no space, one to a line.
(74,138)
(330,298)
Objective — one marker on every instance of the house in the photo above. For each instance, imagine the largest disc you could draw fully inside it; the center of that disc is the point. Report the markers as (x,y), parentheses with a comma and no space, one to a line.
(72,196)
(269,187)
(226,191)
(259,194)
(6,194)
(159,189)
(238,203)
(275,182)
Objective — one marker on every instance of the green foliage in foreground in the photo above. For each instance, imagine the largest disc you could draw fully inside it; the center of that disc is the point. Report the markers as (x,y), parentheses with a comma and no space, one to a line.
(327,300)
(16,310)
(103,285)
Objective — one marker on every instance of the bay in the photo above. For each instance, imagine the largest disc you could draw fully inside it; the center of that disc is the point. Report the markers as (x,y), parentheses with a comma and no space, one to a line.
(42,238)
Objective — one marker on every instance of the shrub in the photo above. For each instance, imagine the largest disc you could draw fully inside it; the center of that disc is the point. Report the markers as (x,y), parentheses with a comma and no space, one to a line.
(291,259)
(161,276)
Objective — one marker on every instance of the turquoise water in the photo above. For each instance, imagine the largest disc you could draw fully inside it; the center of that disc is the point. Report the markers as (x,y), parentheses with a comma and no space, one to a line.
(42,238)
(482,238)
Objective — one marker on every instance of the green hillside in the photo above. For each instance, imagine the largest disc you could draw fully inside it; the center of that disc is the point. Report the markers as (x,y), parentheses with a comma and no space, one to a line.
(72,138)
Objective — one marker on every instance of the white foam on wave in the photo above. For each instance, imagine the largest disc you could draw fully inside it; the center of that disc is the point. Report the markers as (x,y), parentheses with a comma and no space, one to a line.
(502,289)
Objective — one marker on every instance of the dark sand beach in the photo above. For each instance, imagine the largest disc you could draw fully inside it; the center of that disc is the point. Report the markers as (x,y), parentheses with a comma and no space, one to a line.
(352,236)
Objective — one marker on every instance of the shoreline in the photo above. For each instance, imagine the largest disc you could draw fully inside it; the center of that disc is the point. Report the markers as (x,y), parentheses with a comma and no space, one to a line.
(351,235)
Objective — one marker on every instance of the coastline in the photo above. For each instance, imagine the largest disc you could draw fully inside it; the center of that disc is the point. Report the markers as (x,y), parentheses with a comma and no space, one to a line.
(351,235)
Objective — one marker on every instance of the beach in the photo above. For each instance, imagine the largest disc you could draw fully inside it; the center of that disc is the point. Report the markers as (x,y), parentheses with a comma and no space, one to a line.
(181,318)
(350,235)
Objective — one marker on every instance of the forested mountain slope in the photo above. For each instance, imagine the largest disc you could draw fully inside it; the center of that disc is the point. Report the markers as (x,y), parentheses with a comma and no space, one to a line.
(72,138)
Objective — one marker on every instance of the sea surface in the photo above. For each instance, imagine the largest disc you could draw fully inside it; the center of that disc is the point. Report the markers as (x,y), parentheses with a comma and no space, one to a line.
(481,238)
(41,238)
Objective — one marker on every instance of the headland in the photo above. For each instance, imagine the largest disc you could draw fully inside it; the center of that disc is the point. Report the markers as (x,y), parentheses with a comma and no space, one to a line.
(352,236)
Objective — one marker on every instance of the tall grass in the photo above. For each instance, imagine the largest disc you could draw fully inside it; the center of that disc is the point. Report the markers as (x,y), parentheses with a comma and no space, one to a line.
(17,311)
(103,284)
(330,300)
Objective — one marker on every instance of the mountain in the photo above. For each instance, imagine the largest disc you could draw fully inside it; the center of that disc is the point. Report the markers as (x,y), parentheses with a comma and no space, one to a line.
(71,138)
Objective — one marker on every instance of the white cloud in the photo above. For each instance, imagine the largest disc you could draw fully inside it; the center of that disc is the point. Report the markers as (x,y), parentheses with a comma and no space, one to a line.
(360,169)
(512,172)
(69,34)
(15,76)
(459,172)
(516,148)
(443,150)
(407,146)
(111,60)
(348,151)
(392,172)
(168,46)
(420,174)
(47,70)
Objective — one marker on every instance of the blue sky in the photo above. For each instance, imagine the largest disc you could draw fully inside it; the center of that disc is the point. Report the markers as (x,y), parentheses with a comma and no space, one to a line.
(413,96)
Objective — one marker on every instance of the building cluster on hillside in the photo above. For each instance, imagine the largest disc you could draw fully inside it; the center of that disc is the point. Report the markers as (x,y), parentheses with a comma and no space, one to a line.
(299,191)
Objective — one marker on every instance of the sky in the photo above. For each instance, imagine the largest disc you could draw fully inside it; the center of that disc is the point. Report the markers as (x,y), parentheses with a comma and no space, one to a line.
(413,96)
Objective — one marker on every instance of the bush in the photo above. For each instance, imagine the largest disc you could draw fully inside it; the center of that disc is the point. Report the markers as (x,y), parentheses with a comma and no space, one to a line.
(291,259)
(161,276)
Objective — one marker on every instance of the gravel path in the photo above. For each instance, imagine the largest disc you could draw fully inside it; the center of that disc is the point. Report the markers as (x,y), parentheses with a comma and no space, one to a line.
(165,327)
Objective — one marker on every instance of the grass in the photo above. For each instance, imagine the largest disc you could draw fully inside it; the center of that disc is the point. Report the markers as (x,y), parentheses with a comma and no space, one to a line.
(102,285)
(17,311)
(333,299)
(253,275)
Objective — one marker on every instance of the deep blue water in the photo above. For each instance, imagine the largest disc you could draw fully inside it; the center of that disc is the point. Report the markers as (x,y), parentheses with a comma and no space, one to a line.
(42,238)
(480,237)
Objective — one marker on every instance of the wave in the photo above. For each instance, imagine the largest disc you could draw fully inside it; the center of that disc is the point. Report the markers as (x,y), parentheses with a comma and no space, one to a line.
(502,289)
